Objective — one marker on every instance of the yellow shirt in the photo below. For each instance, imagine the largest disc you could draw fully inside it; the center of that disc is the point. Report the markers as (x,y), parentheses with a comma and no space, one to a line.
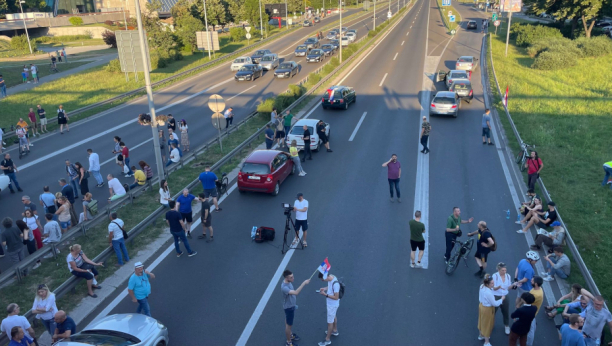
(293,151)
(23,124)
(539,298)
(140,177)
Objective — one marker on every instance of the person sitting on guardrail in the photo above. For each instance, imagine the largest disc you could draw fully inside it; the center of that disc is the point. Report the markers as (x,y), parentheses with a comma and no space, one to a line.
(542,221)
(175,155)
(558,264)
(82,267)
(573,296)
(550,239)
(52,233)
(139,178)
(115,188)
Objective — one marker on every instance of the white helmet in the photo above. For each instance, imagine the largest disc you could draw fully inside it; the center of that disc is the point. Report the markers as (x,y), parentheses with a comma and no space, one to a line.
(532,255)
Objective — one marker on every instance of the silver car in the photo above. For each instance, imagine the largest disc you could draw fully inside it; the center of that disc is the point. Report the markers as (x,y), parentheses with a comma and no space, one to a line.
(451,75)
(123,329)
(269,62)
(332,35)
(240,61)
(445,102)
(466,63)
(351,36)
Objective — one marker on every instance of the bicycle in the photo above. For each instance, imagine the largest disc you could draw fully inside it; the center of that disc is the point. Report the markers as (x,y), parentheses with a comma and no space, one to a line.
(525,153)
(460,250)
(53,68)
(222,185)
(23,147)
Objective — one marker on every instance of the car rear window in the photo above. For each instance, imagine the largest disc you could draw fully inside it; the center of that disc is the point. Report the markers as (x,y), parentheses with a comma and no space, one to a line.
(239,60)
(268,58)
(464,60)
(246,68)
(444,100)
(301,47)
(461,86)
(326,46)
(337,95)
(457,75)
(255,168)
(260,52)
(310,40)
(299,130)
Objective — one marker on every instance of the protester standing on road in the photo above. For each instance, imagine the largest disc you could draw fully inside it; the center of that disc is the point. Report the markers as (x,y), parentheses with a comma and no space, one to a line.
(184,135)
(606,166)
(323,135)
(289,304)
(279,136)
(538,294)
(117,152)
(35,227)
(558,264)
(62,119)
(394,172)
(417,228)
(116,239)
(184,207)
(452,230)
(63,214)
(306,137)
(44,307)
(164,193)
(42,115)
(205,218)
(295,157)
(33,123)
(13,320)
(73,174)
(2,87)
(486,309)
(177,229)
(523,316)
(209,184)
(115,189)
(425,130)
(524,273)
(162,144)
(9,169)
(126,159)
(288,118)
(47,200)
(229,117)
(12,239)
(83,178)
(483,247)
(332,293)
(595,317)
(571,334)
(94,167)
(273,116)
(534,166)
(139,288)
(65,326)
(300,206)
(486,127)
(28,239)
(67,190)
(501,284)
(171,123)
(269,133)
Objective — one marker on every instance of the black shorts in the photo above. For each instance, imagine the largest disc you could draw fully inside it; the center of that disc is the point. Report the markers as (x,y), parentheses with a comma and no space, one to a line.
(486,132)
(301,223)
(289,314)
(280,134)
(187,216)
(323,139)
(210,192)
(541,225)
(482,256)
(414,245)
(208,222)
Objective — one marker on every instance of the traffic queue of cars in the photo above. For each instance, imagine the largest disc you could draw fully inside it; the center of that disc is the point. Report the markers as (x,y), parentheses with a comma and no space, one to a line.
(459,85)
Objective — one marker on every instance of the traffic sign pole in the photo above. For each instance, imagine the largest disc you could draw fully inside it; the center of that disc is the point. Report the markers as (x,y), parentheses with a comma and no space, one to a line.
(217,105)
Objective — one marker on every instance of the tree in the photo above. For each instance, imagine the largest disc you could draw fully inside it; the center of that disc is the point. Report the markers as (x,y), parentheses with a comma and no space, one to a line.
(586,10)
(251,13)
(160,40)
(186,28)
(3,6)
(216,12)
(109,38)
(235,10)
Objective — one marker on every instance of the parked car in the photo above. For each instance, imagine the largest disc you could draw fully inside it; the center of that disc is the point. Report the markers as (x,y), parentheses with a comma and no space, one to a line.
(607,29)
(463,89)
(451,75)
(329,49)
(335,43)
(259,54)
(338,96)
(269,62)
(121,329)
(332,35)
(466,63)
(249,72)
(603,23)
(301,50)
(240,61)
(472,25)
(4,182)
(351,36)
(317,20)
(315,55)
(345,41)
(287,69)
(445,103)
(297,134)
(307,23)
(353,31)
(312,43)
(265,171)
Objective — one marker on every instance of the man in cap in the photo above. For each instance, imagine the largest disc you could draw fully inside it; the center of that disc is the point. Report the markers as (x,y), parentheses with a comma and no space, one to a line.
(139,288)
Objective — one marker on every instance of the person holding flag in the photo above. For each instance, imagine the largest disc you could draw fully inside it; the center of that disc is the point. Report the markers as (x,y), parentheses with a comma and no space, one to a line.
(289,300)
(332,293)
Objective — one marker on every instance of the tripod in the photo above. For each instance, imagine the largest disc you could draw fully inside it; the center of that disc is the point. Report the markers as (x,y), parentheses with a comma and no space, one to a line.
(288,224)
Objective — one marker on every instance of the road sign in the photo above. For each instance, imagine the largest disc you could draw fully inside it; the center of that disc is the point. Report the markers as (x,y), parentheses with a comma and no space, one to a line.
(453,32)
(202,40)
(511,5)
(450,13)
(248,29)
(496,23)
(218,120)
(248,36)
(494,17)
(216,103)
(451,19)
(446,2)
(389,14)
(130,56)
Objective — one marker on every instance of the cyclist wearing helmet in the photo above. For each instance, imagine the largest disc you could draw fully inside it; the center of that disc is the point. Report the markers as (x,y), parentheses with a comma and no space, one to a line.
(524,273)
(23,141)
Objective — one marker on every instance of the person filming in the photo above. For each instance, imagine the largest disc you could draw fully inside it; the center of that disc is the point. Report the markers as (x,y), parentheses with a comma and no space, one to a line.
(301,217)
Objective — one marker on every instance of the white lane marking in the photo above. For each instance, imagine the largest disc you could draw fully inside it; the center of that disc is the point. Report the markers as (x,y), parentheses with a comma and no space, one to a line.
(357,127)
(383,80)
(157,261)
(403,42)
(408,32)
(112,159)
(395,57)
(241,92)
(410,28)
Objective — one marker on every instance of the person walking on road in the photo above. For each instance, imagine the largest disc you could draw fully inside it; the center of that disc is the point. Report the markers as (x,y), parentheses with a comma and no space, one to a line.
(486,127)
(483,247)
(295,157)
(534,167)
(300,206)
(486,309)
(177,229)
(139,288)
(205,218)
(306,137)
(62,119)
(332,293)
(523,316)
(524,273)
(126,160)
(209,184)
(94,167)
(571,334)
(116,239)
(42,116)
(289,304)
(323,135)
(606,166)
(538,294)
(12,239)
(8,167)
(2,87)
(394,172)
(117,152)
(184,134)
(417,228)
(33,122)
(269,137)
(452,230)
(229,117)
(184,207)
(73,174)
(425,130)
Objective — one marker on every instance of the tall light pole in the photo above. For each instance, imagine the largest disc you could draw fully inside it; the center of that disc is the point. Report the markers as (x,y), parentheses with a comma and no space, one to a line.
(374,15)
(208,38)
(286,16)
(124,19)
(260,21)
(145,62)
(389,10)
(25,26)
(340,2)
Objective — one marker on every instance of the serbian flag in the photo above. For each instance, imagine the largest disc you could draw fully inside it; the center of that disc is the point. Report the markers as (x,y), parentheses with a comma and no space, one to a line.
(505,100)
(324,268)
(330,92)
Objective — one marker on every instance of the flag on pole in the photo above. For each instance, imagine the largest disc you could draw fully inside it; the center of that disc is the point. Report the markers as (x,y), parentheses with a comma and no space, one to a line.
(324,268)
(330,92)
(505,100)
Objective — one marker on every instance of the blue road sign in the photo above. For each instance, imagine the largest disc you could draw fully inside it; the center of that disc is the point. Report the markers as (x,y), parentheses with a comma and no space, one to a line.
(446,2)
(452,19)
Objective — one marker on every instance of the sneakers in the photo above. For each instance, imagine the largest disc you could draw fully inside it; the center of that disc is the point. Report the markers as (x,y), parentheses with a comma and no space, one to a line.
(295,337)
(179,254)
(520,231)
(301,174)
(391,199)
(535,247)
(193,254)
(325,343)
(518,222)
(480,337)
(333,333)
(418,265)
(399,200)
(38,264)
(548,278)
(100,185)
(412,265)
(189,235)
(203,236)
(488,344)
(507,330)
(210,240)
(128,175)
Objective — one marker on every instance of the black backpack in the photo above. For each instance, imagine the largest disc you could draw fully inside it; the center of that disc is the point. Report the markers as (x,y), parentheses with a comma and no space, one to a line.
(264,234)
(342,286)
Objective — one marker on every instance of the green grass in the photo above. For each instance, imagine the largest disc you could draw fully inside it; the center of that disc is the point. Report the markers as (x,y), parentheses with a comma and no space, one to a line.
(444,14)
(12,75)
(79,43)
(566,114)
(7,52)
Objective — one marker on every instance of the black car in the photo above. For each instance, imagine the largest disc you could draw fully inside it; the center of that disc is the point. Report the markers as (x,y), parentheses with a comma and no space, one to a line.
(312,43)
(335,43)
(315,55)
(301,50)
(340,96)
(287,69)
(329,49)
(259,54)
(472,25)
(249,72)
(463,89)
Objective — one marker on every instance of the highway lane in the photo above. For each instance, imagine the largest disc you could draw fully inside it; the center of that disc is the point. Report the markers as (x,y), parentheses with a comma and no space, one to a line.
(187,100)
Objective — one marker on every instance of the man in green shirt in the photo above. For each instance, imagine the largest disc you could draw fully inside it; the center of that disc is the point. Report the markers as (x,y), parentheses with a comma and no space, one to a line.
(287,121)
(452,230)
(417,228)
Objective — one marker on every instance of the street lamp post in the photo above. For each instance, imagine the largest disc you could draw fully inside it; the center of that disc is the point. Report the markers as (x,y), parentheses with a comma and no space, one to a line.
(260,20)
(374,16)
(286,16)
(208,38)
(340,2)
(145,62)
(124,19)
(25,27)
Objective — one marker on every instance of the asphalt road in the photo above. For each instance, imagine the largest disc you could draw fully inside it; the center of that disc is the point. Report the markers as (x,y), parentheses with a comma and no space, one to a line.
(211,297)
(186,100)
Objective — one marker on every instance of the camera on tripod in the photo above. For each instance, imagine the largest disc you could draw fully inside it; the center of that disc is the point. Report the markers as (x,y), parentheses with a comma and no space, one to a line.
(288,209)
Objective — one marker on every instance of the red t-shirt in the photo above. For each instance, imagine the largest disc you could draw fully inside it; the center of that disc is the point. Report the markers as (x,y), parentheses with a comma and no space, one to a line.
(533,165)
(125,152)
(32,117)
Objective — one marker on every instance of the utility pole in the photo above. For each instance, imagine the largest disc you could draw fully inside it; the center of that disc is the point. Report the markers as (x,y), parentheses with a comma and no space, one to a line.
(208,37)
(145,62)
(374,15)
(286,16)
(260,21)
(25,27)
(340,2)
(508,31)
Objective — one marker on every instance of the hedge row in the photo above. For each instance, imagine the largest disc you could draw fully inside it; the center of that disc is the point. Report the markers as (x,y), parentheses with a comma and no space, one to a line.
(559,52)
(527,34)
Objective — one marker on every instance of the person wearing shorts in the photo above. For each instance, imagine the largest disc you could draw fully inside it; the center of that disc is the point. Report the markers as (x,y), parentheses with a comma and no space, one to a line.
(486,127)
(332,293)
(206,218)
(289,304)
(32,117)
(209,184)
(417,228)
(483,247)
(184,207)
(322,135)
(42,115)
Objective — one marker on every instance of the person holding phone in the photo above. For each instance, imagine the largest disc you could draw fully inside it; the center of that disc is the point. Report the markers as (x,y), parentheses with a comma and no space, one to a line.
(139,288)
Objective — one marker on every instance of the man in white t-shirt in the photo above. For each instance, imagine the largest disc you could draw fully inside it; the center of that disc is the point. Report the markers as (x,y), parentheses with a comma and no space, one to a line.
(332,293)
(115,188)
(116,240)
(301,217)
(175,155)
(14,320)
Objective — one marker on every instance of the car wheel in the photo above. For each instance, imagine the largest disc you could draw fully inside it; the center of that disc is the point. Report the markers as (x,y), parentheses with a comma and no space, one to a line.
(345,105)
(276,189)
(355,99)
(161,343)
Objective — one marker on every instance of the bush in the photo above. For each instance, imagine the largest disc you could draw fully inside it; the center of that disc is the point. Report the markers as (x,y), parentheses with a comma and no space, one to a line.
(528,34)
(109,22)
(76,21)
(327,69)
(554,60)
(335,62)
(64,38)
(109,38)
(21,43)
(113,66)
(595,46)
(237,34)
(157,61)
(541,45)
(296,90)
(313,78)
(265,108)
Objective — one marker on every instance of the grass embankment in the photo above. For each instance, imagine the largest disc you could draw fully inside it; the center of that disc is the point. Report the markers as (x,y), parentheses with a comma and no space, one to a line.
(11,72)
(566,114)
(445,18)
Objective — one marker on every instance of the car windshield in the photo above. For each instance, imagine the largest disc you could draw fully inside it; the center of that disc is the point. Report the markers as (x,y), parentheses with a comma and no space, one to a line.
(103,338)
(240,60)
(301,47)
(315,52)
(285,66)
(464,60)
(461,86)
(299,130)
(334,41)
(332,33)
(459,75)
(326,46)
(443,100)
(471,22)
(255,168)
(247,68)
(310,40)
(268,58)
(260,52)
(344,38)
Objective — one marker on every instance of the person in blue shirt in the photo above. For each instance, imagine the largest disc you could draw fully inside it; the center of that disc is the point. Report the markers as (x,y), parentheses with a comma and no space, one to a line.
(18,338)
(524,273)
(209,183)
(65,326)
(184,207)
(139,288)
(571,334)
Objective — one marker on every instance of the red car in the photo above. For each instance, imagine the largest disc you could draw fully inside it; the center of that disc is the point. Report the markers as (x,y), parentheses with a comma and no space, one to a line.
(264,171)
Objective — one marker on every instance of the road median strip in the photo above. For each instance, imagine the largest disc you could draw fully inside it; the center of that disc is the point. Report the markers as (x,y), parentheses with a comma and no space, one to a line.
(450,26)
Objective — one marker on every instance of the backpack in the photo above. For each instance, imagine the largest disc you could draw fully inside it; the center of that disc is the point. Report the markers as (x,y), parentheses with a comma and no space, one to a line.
(253,232)
(342,286)
(92,207)
(263,234)
(494,247)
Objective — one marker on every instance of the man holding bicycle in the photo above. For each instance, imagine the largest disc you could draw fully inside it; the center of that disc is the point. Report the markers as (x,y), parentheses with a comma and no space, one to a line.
(453,231)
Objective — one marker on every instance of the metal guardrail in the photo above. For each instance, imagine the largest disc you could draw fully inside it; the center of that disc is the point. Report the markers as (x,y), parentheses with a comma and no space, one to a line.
(568,238)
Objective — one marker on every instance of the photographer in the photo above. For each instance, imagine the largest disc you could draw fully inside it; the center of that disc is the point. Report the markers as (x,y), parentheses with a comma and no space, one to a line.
(301,217)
